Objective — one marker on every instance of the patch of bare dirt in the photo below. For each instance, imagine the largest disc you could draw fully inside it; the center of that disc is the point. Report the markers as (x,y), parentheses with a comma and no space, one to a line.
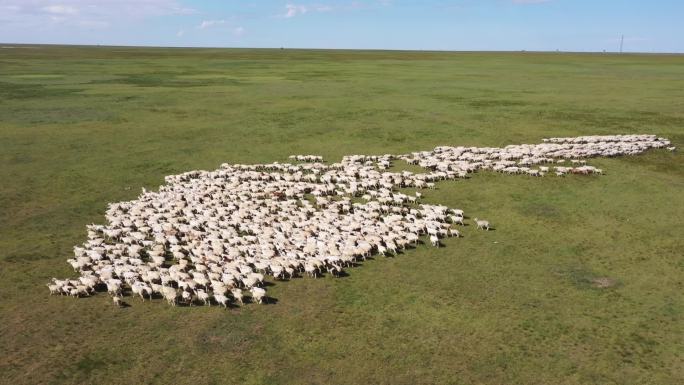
(603,282)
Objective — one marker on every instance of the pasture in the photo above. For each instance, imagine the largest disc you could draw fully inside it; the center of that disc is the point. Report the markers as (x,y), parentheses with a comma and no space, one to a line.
(580,283)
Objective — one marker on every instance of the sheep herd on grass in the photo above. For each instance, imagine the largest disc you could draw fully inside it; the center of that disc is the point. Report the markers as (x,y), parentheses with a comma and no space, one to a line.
(213,236)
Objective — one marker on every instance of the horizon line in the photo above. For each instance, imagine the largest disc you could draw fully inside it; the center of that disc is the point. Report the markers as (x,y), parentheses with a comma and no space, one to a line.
(4,45)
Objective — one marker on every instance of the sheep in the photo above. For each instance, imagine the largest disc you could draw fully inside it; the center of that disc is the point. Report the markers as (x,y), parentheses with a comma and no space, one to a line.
(481,224)
(310,270)
(113,286)
(457,212)
(204,297)
(335,270)
(141,289)
(457,220)
(169,294)
(187,297)
(228,228)
(237,294)
(454,233)
(258,294)
(117,301)
(221,300)
(382,250)
(54,288)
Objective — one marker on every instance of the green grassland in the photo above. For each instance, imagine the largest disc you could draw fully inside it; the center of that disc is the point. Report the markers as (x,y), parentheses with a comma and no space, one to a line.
(84,126)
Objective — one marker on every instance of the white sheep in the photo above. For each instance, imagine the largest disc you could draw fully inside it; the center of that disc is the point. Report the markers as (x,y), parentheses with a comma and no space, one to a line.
(221,300)
(117,301)
(204,297)
(258,294)
(237,294)
(219,228)
(482,224)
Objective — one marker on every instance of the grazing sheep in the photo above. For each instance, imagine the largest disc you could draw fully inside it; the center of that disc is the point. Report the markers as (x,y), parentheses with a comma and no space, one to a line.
(237,294)
(204,297)
(482,224)
(221,300)
(457,220)
(225,229)
(187,297)
(454,233)
(457,212)
(117,301)
(54,289)
(258,294)
(169,294)
(310,270)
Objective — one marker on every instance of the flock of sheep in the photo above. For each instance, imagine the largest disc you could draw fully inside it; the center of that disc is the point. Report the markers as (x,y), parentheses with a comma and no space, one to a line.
(212,236)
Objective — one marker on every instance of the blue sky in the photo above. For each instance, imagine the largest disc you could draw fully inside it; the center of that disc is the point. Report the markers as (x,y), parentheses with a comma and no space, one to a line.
(568,25)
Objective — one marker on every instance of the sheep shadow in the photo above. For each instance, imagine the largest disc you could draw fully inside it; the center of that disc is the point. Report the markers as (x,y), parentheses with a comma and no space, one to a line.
(356,264)
(267,300)
(340,274)
(186,304)
(281,279)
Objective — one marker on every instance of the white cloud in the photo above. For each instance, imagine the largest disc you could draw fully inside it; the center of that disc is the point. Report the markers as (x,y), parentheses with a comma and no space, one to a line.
(226,25)
(60,9)
(293,10)
(210,23)
(180,33)
(322,8)
(84,13)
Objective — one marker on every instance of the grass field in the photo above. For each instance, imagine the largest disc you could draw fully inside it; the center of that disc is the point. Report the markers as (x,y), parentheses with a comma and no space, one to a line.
(81,127)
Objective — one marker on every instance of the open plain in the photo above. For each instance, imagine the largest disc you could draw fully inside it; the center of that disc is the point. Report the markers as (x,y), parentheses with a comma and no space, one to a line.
(580,283)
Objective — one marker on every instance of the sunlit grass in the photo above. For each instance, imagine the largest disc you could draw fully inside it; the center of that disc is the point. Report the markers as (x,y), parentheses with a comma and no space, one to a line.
(580,283)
